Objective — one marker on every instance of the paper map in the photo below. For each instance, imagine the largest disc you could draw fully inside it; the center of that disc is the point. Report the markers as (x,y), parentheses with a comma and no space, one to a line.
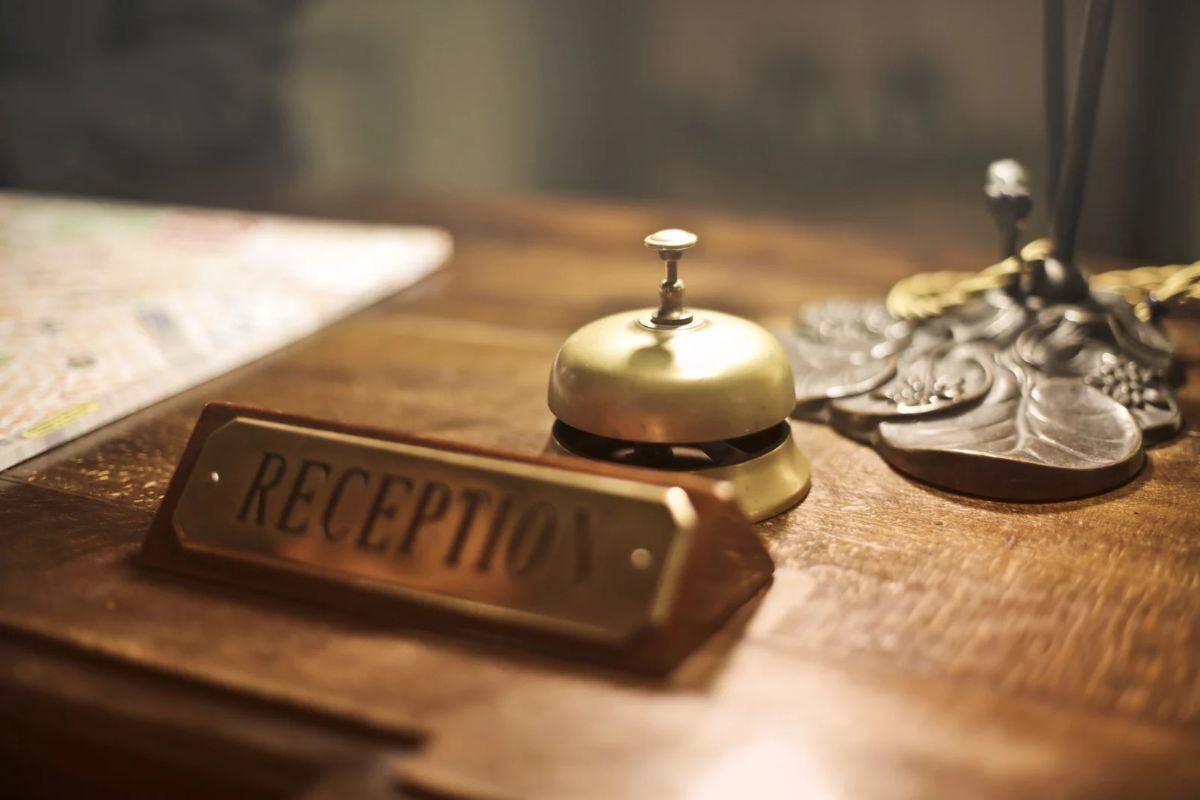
(108,307)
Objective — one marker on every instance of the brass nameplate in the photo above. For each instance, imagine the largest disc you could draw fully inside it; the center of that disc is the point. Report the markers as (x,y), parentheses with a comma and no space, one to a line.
(529,544)
(363,519)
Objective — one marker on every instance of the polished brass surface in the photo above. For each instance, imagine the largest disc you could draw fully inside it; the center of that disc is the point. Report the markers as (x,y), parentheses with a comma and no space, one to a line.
(682,389)
(928,294)
(584,555)
(1152,290)
(770,483)
(718,377)
(671,240)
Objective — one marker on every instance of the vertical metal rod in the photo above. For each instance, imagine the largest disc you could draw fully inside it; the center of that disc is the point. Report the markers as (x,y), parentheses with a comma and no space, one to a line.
(1054,93)
(1064,224)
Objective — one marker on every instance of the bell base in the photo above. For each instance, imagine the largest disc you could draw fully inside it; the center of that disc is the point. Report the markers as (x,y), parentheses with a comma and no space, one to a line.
(767,483)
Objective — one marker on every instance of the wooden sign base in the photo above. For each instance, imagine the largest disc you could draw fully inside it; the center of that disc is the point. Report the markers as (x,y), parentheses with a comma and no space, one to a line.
(623,566)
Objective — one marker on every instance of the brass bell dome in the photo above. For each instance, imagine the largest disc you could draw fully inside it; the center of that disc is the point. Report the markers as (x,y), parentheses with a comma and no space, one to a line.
(685,389)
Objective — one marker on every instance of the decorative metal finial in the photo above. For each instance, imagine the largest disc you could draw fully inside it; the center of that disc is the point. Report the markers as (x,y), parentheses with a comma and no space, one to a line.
(1007,191)
(670,244)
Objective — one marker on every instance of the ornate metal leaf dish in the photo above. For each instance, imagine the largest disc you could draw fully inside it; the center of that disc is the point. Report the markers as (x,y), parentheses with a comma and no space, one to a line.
(1005,397)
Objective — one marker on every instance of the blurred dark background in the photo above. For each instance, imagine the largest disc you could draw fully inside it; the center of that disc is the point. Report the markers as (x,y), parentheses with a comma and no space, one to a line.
(863,112)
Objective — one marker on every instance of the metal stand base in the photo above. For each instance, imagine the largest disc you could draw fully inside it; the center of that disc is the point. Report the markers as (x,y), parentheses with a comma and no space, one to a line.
(1009,397)
(1041,389)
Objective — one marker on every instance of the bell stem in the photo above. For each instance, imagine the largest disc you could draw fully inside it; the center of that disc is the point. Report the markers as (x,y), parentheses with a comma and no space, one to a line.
(671,244)
(670,294)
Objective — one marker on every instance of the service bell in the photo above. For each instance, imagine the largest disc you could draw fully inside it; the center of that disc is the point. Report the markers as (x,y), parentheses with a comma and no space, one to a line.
(678,388)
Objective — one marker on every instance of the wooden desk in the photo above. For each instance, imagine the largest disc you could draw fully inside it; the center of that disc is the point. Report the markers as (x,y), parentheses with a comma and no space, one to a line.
(914,643)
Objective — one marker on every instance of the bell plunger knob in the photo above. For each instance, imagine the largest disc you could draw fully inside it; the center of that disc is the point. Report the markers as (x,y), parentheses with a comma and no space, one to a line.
(670,245)
(1007,190)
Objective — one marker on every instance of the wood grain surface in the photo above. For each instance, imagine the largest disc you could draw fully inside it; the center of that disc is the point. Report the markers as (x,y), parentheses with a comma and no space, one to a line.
(914,643)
